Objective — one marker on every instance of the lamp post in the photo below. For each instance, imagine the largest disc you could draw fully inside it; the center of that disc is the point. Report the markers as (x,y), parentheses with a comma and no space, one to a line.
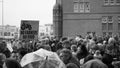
(2,18)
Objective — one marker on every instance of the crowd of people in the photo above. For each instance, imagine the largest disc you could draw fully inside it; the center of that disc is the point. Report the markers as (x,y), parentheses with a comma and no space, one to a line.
(79,52)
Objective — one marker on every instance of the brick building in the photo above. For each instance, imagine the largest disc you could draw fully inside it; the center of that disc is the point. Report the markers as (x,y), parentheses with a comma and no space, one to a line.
(86,16)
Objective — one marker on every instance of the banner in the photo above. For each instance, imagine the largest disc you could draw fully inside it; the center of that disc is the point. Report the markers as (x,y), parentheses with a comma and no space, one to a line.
(29,30)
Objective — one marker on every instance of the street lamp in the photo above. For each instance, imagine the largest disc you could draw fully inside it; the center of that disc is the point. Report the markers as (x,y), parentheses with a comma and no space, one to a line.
(2,18)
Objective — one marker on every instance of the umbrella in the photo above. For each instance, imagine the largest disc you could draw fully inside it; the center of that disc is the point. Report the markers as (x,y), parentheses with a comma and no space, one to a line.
(95,63)
(42,59)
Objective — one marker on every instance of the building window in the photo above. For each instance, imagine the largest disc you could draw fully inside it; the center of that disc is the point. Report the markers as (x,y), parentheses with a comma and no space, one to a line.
(110,19)
(106,2)
(118,26)
(104,19)
(118,19)
(81,6)
(104,26)
(110,26)
(112,2)
(76,4)
(117,2)
(87,7)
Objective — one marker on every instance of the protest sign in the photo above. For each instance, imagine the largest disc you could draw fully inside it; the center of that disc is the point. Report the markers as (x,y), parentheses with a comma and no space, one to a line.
(29,30)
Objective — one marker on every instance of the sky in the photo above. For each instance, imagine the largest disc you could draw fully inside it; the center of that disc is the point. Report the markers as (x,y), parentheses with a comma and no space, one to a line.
(17,10)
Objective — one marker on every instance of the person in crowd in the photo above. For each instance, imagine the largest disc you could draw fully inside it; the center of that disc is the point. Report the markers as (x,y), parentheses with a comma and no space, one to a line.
(81,52)
(11,63)
(59,45)
(15,55)
(66,44)
(71,65)
(111,40)
(74,49)
(93,49)
(98,54)
(94,63)
(47,47)
(22,52)
(108,58)
(44,46)
(90,44)
(4,49)
(53,44)
(94,52)
(89,57)
(67,57)
(2,59)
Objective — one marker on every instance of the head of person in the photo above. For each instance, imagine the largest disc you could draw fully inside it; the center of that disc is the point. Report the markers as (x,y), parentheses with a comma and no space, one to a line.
(65,55)
(66,44)
(110,49)
(44,46)
(94,64)
(47,47)
(71,65)
(11,63)
(97,55)
(74,48)
(3,46)
(63,39)
(87,58)
(2,59)
(82,49)
(15,55)
(93,49)
(111,40)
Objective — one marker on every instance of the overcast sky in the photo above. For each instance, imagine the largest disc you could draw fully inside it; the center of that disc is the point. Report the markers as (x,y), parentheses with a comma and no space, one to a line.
(17,10)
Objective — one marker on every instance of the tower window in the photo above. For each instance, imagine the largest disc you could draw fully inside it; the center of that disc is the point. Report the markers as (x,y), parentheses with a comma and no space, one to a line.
(76,4)
(110,33)
(81,6)
(104,26)
(110,26)
(106,2)
(118,19)
(112,2)
(119,26)
(110,19)
(104,19)
(117,2)
(87,7)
